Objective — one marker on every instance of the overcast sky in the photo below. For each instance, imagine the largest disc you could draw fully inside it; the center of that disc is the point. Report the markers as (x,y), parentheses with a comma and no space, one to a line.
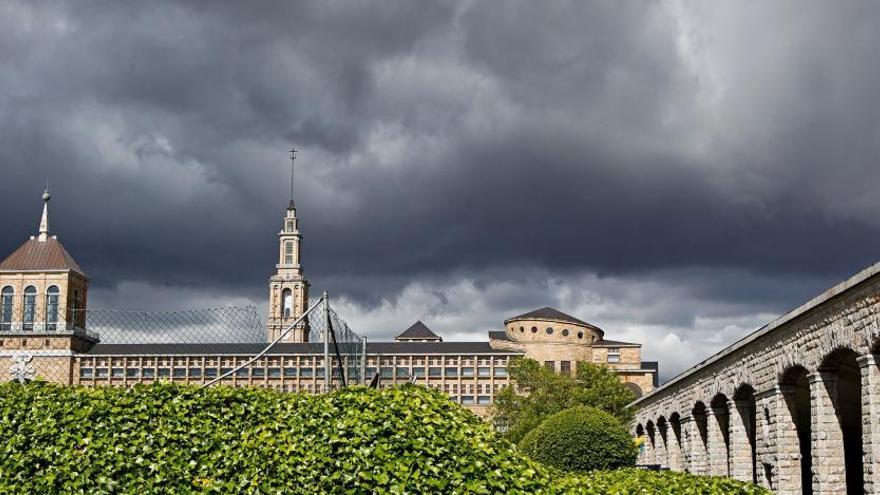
(678,173)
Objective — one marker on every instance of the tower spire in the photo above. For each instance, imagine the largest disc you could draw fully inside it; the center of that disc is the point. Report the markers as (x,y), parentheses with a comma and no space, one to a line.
(44,221)
(292,163)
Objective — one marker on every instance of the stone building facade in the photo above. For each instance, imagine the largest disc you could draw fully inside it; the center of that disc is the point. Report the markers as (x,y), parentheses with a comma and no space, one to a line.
(794,407)
(44,328)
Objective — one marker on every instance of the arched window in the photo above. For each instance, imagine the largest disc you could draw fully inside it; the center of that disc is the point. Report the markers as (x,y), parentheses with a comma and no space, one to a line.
(7,296)
(522,330)
(30,307)
(52,295)
(287,303)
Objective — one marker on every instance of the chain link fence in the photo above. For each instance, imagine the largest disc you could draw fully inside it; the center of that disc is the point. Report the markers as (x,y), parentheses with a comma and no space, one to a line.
(225,345)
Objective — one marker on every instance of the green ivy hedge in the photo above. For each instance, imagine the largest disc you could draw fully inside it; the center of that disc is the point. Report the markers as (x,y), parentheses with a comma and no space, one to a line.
(581,438)
(174,439)
(638,482)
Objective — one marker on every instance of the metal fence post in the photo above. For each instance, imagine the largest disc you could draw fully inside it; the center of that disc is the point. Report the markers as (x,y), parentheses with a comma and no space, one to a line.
(328,369)
(364,361)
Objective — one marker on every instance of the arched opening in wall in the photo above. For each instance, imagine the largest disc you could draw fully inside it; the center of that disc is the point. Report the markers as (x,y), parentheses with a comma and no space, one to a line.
(635,389)
(721,413)
(287,303)
(746,411)
(663,452)
(675,450)
(699,463)
(640,434)
(796,391)
(652,444)
(848,409)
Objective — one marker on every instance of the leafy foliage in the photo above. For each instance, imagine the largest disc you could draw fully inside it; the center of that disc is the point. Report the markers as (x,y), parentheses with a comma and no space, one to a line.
(582,438)
(638,482)
(173,439)
(176,439)
(543,392)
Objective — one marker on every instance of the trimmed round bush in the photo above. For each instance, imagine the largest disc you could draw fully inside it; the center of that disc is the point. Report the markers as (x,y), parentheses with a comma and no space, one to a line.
(582,438)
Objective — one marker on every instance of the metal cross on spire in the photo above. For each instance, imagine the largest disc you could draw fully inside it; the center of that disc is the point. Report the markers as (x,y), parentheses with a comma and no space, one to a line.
(292,163)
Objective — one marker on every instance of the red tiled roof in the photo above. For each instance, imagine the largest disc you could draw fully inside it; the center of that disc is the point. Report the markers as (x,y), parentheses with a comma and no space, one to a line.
(36,255)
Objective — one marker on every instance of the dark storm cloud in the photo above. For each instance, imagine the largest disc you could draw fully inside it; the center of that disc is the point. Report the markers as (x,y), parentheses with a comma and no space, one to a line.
(439,139)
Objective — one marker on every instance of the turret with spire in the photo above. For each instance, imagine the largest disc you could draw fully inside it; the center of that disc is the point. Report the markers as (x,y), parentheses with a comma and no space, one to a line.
(288,288)
(45,292)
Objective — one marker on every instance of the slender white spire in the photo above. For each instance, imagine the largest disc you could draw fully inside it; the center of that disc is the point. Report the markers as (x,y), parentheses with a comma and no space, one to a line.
(292,163)
(44,221)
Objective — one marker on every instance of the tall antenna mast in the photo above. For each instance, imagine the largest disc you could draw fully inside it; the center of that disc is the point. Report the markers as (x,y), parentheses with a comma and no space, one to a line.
(292,163)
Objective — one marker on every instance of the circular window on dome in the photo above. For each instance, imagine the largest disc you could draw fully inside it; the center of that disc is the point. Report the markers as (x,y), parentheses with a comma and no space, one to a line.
(549,330)
(521,329)
(534,329)
(565,332)
(580,335)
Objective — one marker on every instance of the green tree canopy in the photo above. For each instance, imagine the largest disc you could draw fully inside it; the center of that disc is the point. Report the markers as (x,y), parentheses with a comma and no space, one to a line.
(542,392)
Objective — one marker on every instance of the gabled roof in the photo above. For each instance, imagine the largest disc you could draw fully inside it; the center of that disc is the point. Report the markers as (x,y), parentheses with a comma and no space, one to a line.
(548,313)
(418,331)
(37,255)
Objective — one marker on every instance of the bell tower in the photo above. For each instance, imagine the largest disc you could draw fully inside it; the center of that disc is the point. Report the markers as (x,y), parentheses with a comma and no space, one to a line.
(288,287)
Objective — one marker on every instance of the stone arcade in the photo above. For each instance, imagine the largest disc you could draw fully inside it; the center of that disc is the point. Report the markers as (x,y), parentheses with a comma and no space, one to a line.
(794,407)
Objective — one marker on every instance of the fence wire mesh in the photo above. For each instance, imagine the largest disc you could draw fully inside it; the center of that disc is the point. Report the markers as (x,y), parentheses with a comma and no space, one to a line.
(227,345)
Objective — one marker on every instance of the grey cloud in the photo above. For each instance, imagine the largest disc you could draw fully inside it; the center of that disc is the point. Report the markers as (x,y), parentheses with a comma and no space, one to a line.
(446,139)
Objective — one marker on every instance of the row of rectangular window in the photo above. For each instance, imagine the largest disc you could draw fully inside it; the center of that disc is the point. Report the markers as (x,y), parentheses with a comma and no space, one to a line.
(194,362)
(435,372)
(449,361)
(466,370)
(279,372)
(200,372)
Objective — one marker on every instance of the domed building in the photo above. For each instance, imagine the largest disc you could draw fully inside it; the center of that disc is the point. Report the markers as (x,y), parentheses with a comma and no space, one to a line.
(560,341)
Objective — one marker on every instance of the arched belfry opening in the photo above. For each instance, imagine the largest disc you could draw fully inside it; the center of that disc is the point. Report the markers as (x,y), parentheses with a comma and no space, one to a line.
(719,431)
(699,462)
(795,387)
(841,379)
(746,416)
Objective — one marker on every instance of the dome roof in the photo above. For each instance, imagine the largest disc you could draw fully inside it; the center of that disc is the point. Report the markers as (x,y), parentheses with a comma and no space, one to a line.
(548,313)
